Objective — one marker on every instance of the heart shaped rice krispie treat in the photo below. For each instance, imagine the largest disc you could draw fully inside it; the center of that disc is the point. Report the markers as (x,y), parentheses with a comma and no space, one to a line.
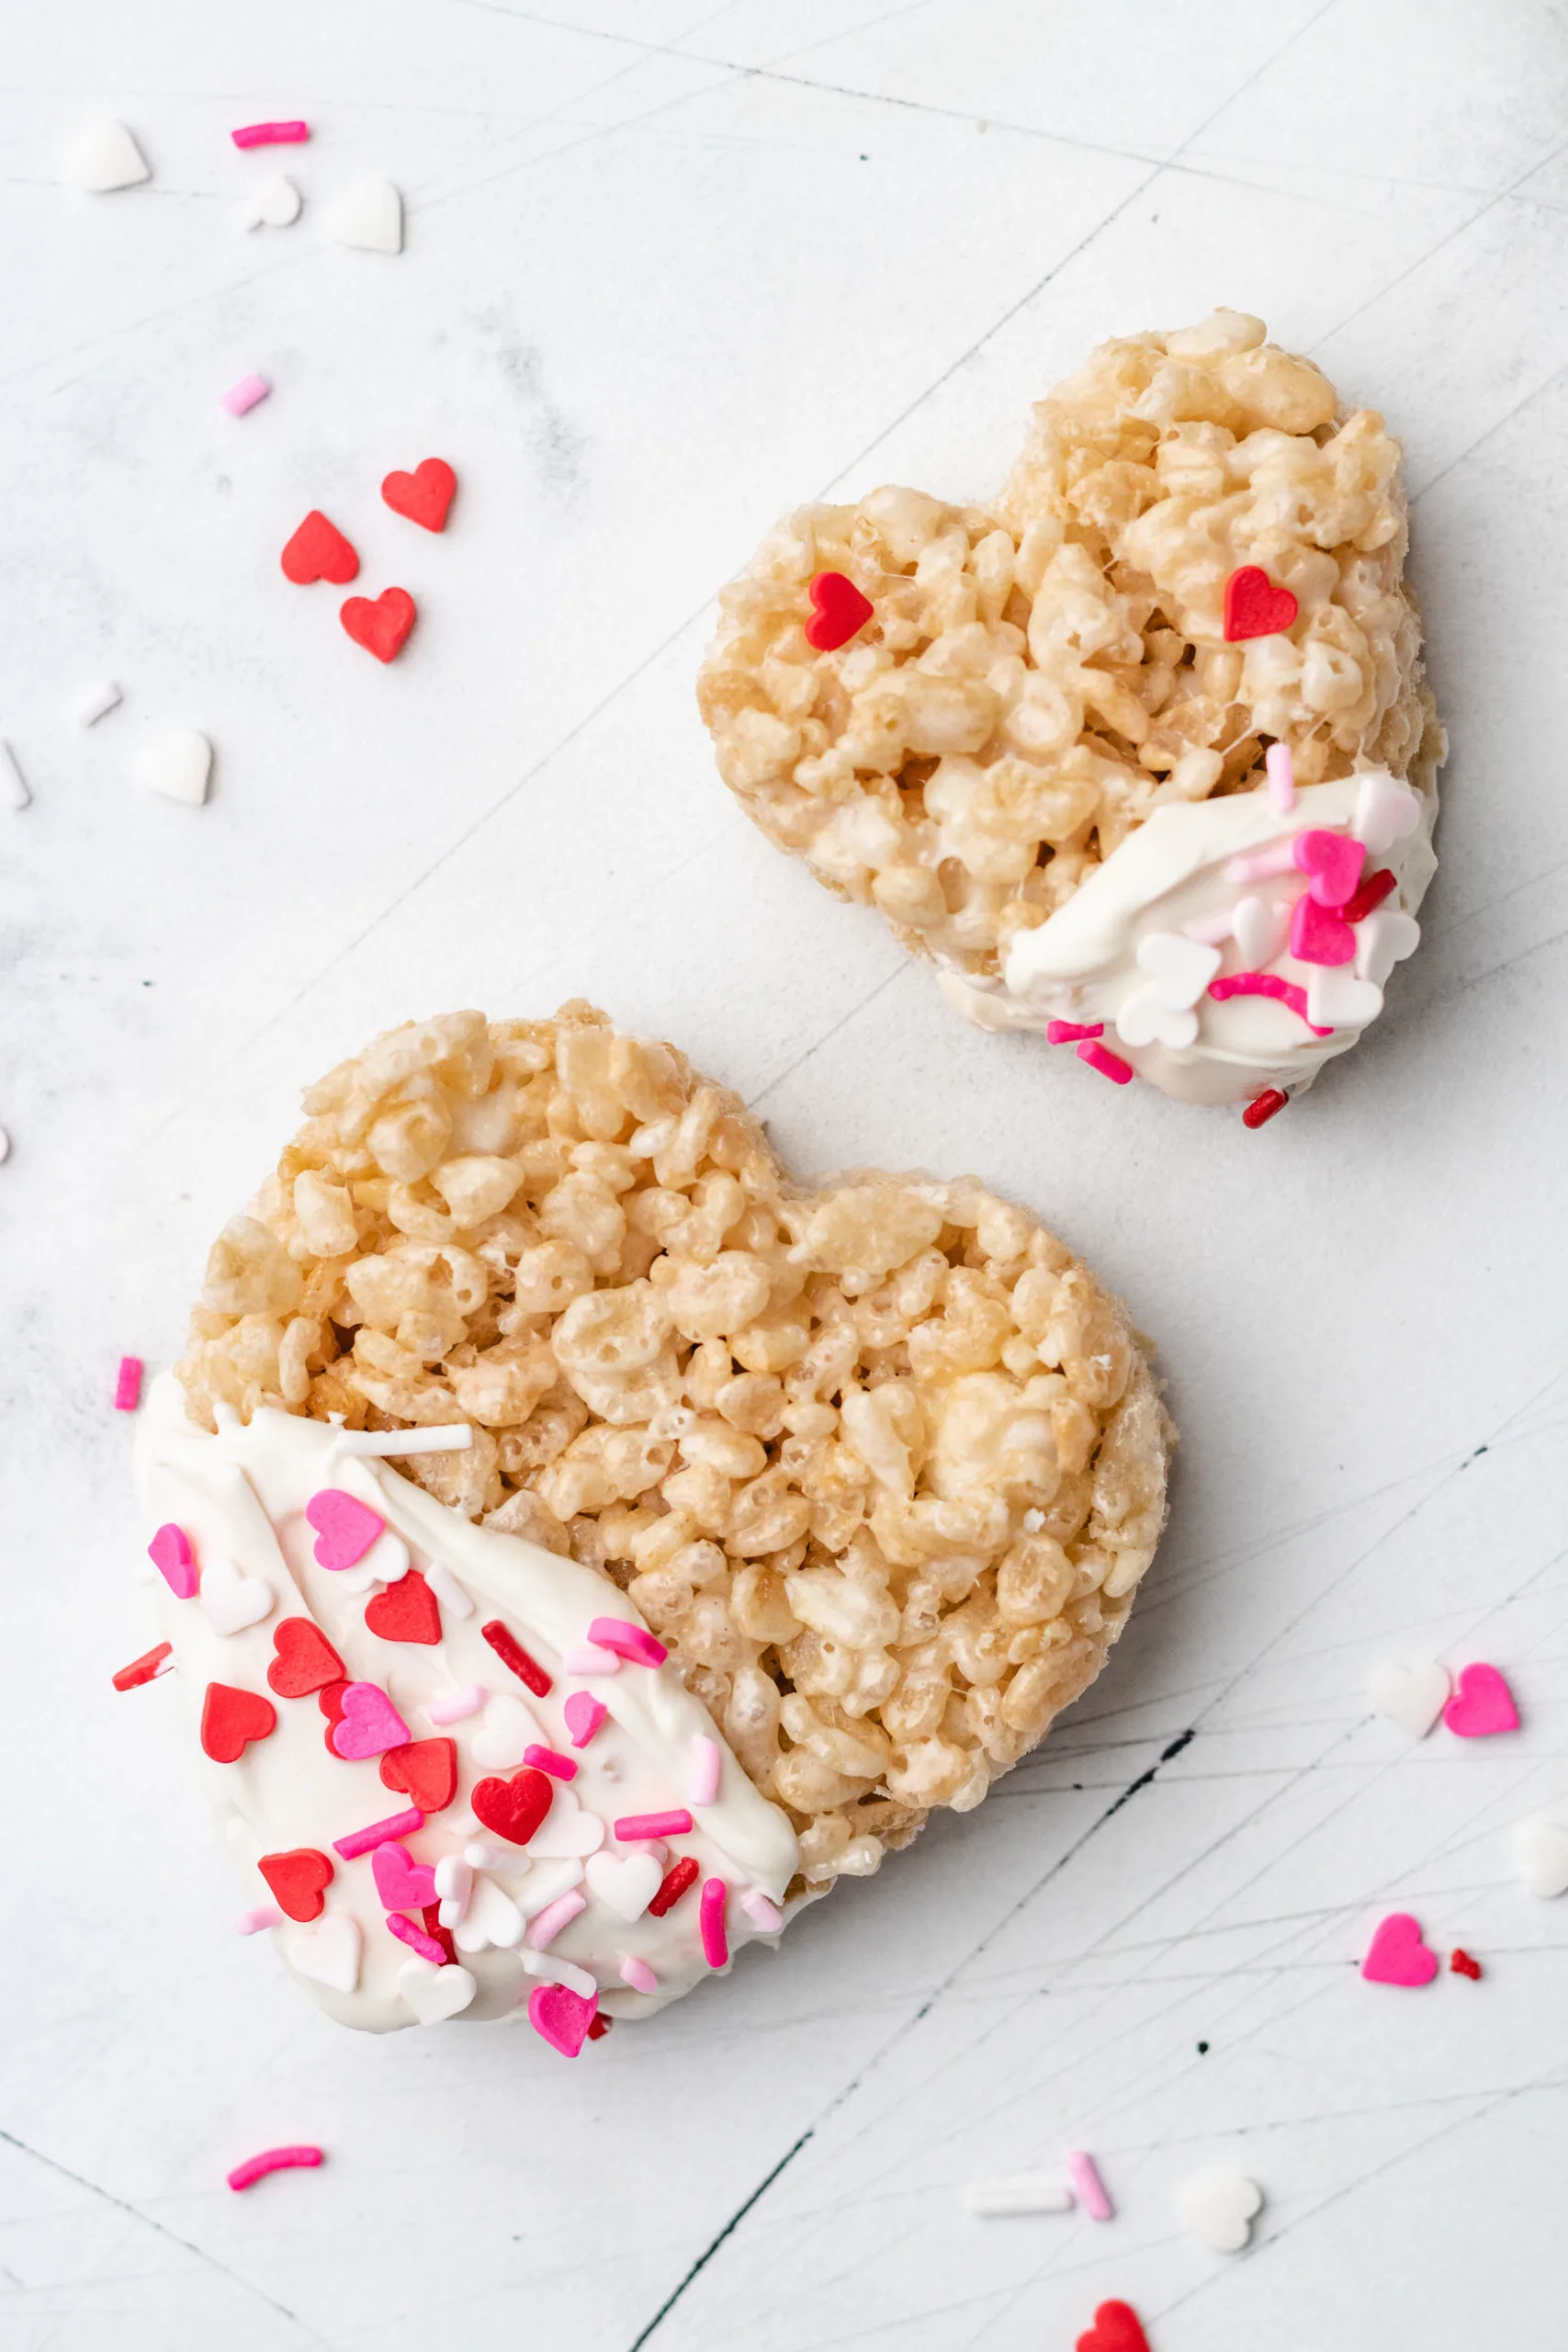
(1084,748)
(583,1540)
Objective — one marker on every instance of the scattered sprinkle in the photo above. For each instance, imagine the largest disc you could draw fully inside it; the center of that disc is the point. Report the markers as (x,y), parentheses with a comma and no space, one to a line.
(1108,1064)
(13,783)
(633,1826)
(1027,2192)
(256,2169)
(550,1760)
(761,1912)
(1264,1107)
(447,1590)
(368,1725)
(446,1437)
(232,1718)
(1396,1954)
(1255,607)
(96,703)
(177,765)
(1280,766)
(583,1713)
(839,611)
(1462,1964)
(378,1832)
(457,1705)
(555,1915)
(560,2017)
(1211,930)
(1265,984)
(711,1924)
(674,1885)
(145,1668)
(1117,2328)
(1219,2204)
(1087,2186)
(1069,1033)
(1540,1856)
(599,2026)
(104,157)
(416,1938)
(424,496)
(245,395)
(1261,865)
(1411,1696)
(270,134)
(368,216)
(318,550)
(510,1653)
(631,1642)
(708,1762)
(561,1972)
(127,1384)
(1482,1704)
(276,206)
(1370,896)
(346,1528)
(637,1973)
(587,1658)
(171,1554)
(257,1922)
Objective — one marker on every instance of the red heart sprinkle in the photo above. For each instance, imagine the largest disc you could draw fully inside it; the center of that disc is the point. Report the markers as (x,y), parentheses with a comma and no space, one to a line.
(319,551)
(1264,1107)
(673,1886)
(1319,935)
(329,1700)
(431,1914)
(1117,2328)
(231,1718)
(406,1612)
(383,625)
(1254,606)
(841,612)
(306,1660)
(426,1770)
(514,1808)
(424,495)
(1460,1962)
(300,1880)
(1374,889)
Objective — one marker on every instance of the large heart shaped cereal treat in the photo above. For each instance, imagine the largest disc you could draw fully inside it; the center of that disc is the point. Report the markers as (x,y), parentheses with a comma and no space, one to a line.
(751,1520)
(1110,708)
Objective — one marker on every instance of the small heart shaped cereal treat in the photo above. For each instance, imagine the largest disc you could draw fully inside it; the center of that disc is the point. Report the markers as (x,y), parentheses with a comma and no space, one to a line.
(1035,731)
(852,1486)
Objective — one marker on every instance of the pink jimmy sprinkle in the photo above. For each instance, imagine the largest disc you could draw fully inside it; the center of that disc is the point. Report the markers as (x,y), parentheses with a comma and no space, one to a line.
(633,1826)
(761,1912)
(1280,761)
(379,1833)
(270,134)
(1067,1033)
(1108,1064)
(1212,931)
(1088,2186)
(458,1704)
(555,1916)
(1281,859)
(256,2169)
(587,1658)
(630,1641)
(550,1760)
(256,1922)
(127,1384)
(708,1762)
(415,1938)
(248,393)
(637,1973)
(1265,984)
(710,1921)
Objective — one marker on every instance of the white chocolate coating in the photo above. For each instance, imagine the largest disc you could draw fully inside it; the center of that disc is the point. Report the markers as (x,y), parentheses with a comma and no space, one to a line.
(1081,965)
(241,1496)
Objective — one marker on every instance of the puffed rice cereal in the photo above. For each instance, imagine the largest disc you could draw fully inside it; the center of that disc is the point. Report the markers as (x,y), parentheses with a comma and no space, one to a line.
(878,1460)
(1044,679)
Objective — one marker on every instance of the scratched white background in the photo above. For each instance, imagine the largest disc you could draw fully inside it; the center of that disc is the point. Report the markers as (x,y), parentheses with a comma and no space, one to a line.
(669,266)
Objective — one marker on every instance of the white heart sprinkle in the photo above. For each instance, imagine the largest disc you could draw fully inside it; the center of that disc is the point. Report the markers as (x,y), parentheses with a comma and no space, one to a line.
(1336,1000)
(96,703)
(329,1952)
(231,1600)
(566,1832)
(454,1885)
(276,206)
(1412,1696)
(507,1732)
(177,765)
(1220,2205)
(491,1917)
(1384,940)
(1179,969)
(1540,1856)
(625,1888)
(1146,1016)
(435,1994)
(368,216)
(106,156)
(1261,928)
(384,1563)
(1385,812)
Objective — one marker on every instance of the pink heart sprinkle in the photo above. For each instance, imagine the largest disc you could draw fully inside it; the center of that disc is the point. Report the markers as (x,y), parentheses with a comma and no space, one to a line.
(560,2017)
(369,1723)
(1481,1703)
(1396,1954)
(583,1713)
(631,1642)
(402,1883)
(1334,862)
(1317,934)
(170,1553)
(346,1528)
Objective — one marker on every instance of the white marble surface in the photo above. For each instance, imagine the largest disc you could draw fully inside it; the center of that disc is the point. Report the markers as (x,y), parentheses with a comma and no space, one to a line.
(669,265)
